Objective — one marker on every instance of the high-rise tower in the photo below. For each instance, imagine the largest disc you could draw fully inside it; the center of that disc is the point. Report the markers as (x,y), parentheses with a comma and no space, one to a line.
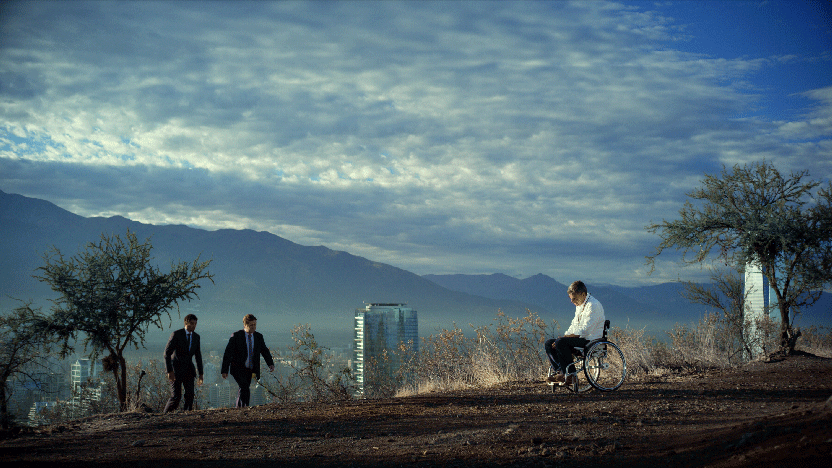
(380,329)
(85,384)
(760,303)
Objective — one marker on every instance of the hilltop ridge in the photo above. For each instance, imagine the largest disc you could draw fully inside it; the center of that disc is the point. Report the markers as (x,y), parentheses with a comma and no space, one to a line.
(763,413)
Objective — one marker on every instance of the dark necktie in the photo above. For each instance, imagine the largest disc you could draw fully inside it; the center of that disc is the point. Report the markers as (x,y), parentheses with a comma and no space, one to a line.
(250,350)
(189,342)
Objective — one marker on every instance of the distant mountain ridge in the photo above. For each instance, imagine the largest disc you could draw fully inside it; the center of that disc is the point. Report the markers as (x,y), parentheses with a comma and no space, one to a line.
(656,308)
(255,272)
(285,283)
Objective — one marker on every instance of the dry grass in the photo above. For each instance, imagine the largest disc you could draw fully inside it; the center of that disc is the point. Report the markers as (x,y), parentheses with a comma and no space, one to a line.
(816,340)
(512,349)
(506,350)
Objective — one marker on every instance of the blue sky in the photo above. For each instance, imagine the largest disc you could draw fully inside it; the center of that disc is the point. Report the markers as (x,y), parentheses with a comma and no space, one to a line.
(439,137)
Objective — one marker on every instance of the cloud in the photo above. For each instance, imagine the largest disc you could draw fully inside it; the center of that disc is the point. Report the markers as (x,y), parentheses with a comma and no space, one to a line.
(435,136)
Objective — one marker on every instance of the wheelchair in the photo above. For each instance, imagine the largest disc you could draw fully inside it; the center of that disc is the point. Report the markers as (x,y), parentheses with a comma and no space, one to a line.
(600,365)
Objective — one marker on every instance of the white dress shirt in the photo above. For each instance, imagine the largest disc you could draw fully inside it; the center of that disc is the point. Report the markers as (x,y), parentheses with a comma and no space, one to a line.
(589,320)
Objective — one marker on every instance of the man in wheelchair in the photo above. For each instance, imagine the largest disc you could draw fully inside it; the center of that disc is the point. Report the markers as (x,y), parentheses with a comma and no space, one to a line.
(587,325)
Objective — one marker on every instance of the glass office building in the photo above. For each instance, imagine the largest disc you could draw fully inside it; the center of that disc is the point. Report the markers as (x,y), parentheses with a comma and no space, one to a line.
(760,301)
(85,386)
(386,337)
(84,371)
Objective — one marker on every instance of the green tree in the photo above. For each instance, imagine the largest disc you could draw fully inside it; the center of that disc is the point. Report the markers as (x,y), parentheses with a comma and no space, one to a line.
(111,294)
(22,350)
(754,215)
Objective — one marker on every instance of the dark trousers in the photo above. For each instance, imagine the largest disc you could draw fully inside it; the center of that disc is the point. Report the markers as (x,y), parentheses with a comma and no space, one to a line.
(176,394)
(560,355)
(242,376)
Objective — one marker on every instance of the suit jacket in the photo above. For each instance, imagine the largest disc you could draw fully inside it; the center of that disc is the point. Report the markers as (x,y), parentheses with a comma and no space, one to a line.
(178,359)
(236,353)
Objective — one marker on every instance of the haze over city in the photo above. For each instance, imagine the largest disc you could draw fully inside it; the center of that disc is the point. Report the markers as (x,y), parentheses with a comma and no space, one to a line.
(438,137)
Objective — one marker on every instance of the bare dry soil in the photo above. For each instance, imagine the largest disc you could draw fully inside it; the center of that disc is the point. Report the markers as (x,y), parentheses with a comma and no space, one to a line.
(776,414)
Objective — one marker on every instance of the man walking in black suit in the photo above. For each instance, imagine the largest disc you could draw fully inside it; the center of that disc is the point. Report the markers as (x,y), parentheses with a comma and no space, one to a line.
(242,358)
(182,347)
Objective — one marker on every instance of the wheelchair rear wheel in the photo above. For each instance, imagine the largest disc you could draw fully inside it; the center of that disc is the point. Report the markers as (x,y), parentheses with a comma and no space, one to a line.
(604,366)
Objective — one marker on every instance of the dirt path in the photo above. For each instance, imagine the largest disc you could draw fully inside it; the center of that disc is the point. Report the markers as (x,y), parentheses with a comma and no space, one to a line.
(771,414)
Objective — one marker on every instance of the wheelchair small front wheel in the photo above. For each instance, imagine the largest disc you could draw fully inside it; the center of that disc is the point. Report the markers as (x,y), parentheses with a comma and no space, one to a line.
(580,386)
(605,366)
(554,386)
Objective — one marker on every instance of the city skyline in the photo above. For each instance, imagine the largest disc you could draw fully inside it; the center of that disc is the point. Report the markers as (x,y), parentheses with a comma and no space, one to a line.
(69,385)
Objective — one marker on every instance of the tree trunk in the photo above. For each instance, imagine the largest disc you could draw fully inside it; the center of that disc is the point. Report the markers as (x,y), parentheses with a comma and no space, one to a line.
(789,338)
(788,335)
(4,409)
(121,384)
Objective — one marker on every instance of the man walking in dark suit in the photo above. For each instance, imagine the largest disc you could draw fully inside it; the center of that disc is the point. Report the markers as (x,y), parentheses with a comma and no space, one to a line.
(242,358)
(182,347)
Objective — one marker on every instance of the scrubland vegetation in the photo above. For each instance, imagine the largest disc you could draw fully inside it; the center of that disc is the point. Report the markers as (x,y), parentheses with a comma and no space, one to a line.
(508,349)
(512,349)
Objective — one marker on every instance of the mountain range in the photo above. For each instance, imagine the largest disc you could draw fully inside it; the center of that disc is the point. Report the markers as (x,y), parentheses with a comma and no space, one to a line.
(284,283)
